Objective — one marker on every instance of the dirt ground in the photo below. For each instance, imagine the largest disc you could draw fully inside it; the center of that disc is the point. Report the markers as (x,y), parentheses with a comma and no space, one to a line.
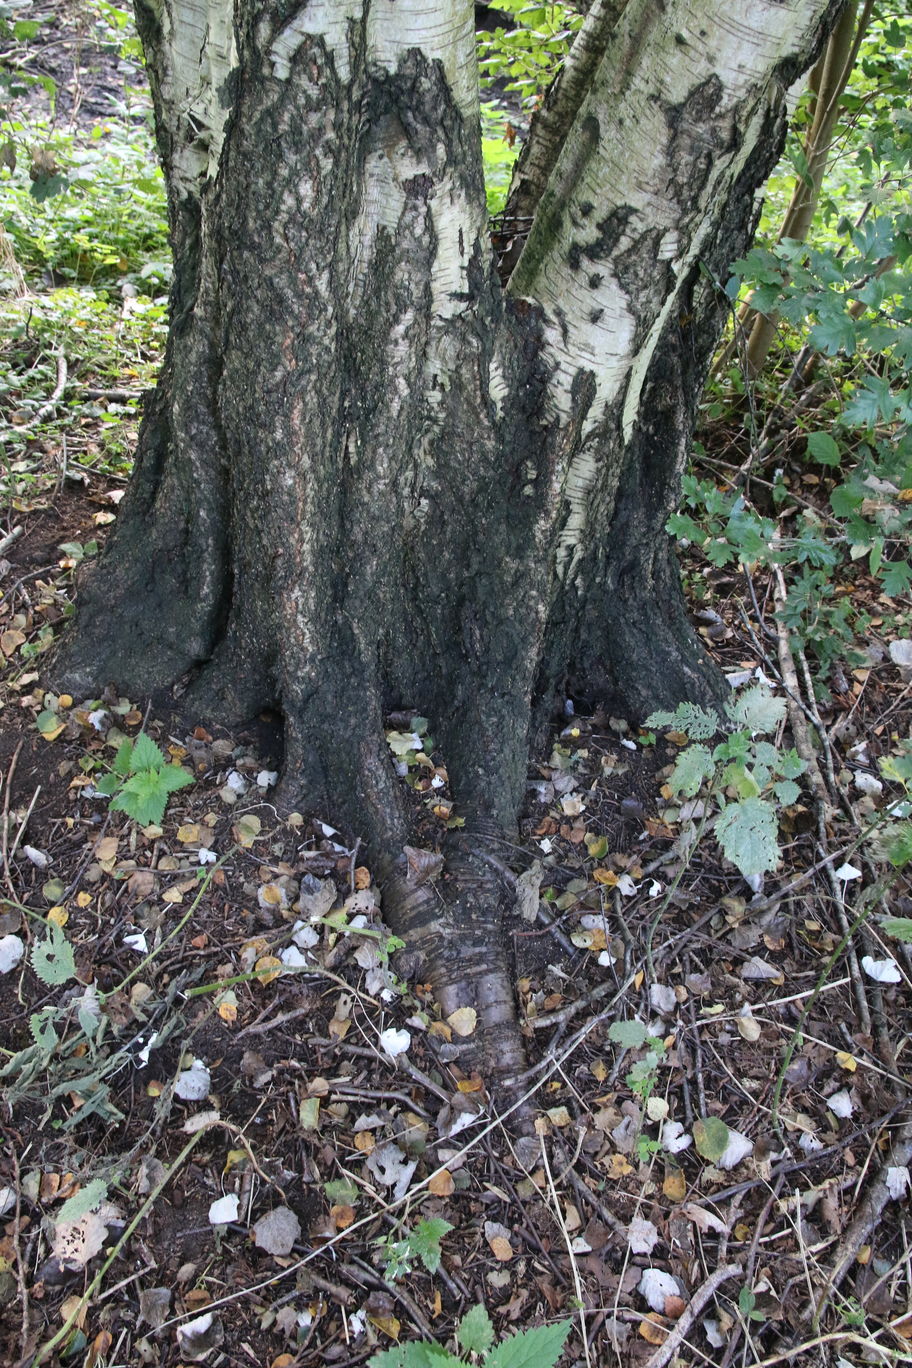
(305,1112)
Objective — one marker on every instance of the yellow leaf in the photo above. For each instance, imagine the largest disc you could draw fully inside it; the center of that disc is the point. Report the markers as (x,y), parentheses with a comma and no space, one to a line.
(228,1006)
(388,1324)
(235,1157)
(846,1061)
(268,967)
(187,833)
(83,900)
(365,1142)
(59,915)
(599,1070)
(463,1020)
(172,895)
(675,1185)
(362,877)
(441,1029)
(342,1215)
(442,1185)
(652,1329)
(605,876)
(501,1248)
(65,701)
(618,1166)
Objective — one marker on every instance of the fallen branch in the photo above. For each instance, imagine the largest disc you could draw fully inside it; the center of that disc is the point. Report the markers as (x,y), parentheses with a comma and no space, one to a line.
(703,1294)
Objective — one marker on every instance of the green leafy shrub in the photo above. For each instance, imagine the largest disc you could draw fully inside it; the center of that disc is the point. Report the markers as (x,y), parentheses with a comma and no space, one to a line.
(747,777)
(537,1348)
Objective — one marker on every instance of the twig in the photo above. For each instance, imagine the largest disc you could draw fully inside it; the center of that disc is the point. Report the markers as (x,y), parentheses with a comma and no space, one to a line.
(867,1216)
(48,408)
(703,1294)
(351,867)
(21,832)
(574,1267)
(6,807)
(17,1250)
(49,1345)
(793,700)
(13,536)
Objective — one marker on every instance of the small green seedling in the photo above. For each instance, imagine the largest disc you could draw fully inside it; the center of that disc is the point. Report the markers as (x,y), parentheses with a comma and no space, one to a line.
(422,1243)
(538,1348)
(142,781)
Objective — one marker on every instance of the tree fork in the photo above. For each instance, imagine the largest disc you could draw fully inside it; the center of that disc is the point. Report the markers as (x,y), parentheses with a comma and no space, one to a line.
(373,479)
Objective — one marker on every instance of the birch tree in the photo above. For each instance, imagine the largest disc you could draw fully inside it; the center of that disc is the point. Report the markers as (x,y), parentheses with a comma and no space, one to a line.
(378,474)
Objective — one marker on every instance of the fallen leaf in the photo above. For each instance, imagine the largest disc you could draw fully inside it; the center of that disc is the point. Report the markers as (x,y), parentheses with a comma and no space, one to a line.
(389,1325)
(267,968)
(442,1184)
(12,949)
(652,1330)
(881,971)
(277,1231)
(463,1021)
(395,1042)
(655,1286)
(224,1209)
(193,1084)
(674,1185)
(154,1304)
(641,1235)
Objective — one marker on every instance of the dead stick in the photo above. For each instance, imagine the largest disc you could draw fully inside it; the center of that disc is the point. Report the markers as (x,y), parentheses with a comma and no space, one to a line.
(868,1215)
(6,807)
(699,1299)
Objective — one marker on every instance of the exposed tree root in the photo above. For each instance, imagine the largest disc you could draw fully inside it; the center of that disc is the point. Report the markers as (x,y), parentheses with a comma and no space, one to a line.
(452,912)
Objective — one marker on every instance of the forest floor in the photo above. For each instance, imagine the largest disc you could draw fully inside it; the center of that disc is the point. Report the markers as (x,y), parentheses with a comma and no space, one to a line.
(233,1134)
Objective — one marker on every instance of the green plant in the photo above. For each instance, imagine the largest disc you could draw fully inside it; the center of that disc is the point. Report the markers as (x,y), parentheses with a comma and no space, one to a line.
(422,1244)
(537,1348)
(747,778)
(747,1305)
(142,780)
(527,55)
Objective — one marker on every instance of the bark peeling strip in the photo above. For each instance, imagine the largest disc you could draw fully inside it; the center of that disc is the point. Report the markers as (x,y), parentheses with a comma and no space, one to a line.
(199,55)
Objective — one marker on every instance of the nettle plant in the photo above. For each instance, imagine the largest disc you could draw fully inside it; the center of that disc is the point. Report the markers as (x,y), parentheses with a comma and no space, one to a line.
(746,777)
(537,1348)
(142,781)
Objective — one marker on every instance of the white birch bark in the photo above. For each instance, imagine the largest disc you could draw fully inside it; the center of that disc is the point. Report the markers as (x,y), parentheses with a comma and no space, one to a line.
(670,121)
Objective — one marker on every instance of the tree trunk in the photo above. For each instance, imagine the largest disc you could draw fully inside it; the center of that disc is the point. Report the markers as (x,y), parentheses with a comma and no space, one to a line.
(371,476)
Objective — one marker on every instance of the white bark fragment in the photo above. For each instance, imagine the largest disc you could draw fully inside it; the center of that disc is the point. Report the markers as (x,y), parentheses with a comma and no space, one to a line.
(198,55)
